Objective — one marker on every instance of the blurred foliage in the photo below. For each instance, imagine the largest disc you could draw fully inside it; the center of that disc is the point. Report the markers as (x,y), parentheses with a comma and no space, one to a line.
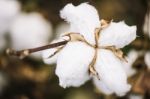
(31,79)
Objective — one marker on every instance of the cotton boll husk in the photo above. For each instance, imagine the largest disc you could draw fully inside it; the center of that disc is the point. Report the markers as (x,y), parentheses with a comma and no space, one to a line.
(61,29)
(73,64)
(83,19)
(117,34)
(111,72)
(8,10)
(101,86)
(147,59)
(47,53)
(30,30)
(131,58)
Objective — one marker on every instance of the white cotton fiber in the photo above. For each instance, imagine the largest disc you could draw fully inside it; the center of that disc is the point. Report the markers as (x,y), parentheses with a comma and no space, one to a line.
(111,72)
(73,64)
(83,19)
(117,34)
(100,85)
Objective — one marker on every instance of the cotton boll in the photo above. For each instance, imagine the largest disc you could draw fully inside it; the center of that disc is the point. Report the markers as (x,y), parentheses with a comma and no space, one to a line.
(8,10)
(102,87)
(61,29)
(73,64)
(117,34)
(111,72)
(83,19)
(30,30)
(131,58)
(147,59)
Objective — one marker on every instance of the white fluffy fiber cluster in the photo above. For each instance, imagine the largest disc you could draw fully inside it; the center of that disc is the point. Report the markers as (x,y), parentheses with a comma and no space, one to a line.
(74,59)
(83,19)
(118,34)
(8,11)
(30,30)
(111,73)
(26,30)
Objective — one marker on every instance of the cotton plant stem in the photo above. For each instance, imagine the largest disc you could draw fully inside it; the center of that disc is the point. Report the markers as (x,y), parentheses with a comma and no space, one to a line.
(26,52)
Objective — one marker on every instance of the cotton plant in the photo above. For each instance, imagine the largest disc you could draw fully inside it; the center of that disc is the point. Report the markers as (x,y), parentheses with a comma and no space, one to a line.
(9,9)
(30,30)
(92,51)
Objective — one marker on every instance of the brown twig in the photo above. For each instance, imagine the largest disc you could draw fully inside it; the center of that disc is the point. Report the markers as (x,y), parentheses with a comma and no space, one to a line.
(26,52)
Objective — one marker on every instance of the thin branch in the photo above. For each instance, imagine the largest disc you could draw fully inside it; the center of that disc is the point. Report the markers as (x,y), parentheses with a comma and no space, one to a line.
(26,52)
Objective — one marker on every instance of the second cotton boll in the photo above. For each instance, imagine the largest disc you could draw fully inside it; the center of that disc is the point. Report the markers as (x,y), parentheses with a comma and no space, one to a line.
(30,30)
(8,11)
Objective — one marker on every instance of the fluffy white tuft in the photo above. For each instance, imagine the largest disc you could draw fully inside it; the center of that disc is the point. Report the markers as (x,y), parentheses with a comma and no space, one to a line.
(131,58)
(83,19)
(29,31)
(102,87)
(73,64)
(8,11)
(111,72)
(117,34)
(147,59)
